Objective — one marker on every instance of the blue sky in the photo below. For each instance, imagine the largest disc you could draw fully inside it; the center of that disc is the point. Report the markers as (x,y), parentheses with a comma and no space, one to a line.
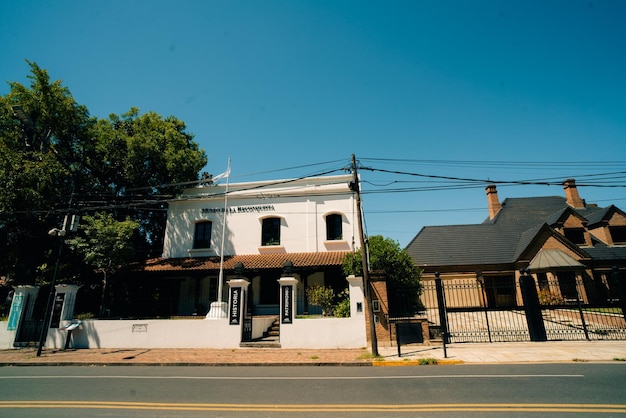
(491,90)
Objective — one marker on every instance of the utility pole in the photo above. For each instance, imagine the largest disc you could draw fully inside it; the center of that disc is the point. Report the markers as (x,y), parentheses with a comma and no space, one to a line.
(355,187)
(70,224)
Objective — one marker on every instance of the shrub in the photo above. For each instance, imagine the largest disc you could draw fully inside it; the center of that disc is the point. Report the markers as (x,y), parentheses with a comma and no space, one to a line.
(342,309)
(323,297)
(548,298)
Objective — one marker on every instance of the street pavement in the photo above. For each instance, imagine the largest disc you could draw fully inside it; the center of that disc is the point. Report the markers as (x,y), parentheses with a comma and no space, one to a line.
(465,353)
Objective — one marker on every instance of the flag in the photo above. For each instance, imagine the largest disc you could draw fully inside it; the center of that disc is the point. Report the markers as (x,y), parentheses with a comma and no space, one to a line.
(222,175)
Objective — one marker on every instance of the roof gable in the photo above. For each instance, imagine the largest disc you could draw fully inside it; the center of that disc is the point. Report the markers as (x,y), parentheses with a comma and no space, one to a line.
(564,216)
(552,259)
(532,241)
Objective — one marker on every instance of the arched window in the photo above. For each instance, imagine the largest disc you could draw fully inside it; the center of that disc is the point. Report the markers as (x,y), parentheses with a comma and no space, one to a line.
(202,235)
(270,231)
(334,227)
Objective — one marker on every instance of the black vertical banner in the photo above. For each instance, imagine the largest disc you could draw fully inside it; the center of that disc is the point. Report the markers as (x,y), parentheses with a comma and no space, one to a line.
(235,306)
(56,310)
(286,314)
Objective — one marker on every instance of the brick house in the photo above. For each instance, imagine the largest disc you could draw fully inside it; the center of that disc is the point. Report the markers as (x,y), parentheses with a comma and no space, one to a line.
(560,240)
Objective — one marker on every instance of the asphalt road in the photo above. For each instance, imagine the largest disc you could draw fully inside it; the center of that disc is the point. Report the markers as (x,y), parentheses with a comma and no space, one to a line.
(462,390)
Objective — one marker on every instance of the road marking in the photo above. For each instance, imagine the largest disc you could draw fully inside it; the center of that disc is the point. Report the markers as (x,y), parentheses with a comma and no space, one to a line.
(473,407)
(451,376)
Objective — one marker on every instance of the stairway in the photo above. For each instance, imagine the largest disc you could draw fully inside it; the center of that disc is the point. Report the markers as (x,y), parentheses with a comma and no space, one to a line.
(270,339)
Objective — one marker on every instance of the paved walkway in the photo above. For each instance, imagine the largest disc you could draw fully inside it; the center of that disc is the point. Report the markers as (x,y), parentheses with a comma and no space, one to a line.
(525,352)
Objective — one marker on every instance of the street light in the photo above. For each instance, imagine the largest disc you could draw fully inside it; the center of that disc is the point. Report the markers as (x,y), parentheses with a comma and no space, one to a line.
(55,232)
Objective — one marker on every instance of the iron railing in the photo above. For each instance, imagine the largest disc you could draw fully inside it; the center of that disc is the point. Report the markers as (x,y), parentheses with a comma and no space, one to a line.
(494,311)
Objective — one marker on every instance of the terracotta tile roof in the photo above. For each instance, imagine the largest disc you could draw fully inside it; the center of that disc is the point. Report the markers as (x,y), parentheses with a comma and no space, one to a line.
(250,262)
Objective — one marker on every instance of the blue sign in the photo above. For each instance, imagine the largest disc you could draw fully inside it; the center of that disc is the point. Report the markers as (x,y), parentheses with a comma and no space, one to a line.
(14,316)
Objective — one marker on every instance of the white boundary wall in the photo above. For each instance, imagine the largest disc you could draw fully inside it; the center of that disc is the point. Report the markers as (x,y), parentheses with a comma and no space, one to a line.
(157,333)
(197,333)
(324,333)
(215,333)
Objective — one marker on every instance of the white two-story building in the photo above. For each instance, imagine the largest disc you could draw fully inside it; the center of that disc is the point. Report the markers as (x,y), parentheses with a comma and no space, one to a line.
(240,256)
(257,231)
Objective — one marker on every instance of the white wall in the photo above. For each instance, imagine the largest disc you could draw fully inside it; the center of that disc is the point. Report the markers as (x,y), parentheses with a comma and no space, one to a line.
(198,333)
(324,333)
(302,205)
(193,333)
(6,337)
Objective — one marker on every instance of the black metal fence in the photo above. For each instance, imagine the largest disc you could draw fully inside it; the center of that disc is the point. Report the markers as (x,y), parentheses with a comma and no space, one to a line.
(499,310)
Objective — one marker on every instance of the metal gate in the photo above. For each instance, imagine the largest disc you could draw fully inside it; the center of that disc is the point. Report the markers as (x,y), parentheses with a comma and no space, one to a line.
(28,330)
(494,310)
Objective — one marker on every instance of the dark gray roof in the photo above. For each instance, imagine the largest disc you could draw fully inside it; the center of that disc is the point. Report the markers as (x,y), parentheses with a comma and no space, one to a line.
(504,238)
(526,212)
(463,244)
(602,252)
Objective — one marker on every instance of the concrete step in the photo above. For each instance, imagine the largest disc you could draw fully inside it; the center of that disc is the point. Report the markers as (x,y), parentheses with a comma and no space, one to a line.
(267,342)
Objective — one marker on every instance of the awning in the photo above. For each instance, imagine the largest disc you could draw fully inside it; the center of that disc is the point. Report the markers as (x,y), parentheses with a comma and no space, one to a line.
(552,260)
(250,262)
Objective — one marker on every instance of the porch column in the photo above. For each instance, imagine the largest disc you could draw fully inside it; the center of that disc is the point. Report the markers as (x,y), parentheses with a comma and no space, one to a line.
(22,305)
(237,300)
(357,295)
(64,302)
(287,299)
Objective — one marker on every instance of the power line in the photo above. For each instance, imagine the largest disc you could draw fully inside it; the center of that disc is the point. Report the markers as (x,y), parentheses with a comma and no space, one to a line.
(428,182)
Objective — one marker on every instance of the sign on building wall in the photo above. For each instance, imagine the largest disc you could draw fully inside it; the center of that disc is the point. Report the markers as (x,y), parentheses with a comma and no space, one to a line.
(15,312)
(235,306)
(56,310)
(286,314)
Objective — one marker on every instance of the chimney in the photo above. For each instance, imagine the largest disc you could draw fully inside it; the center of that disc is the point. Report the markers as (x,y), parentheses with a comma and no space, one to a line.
(492,201)
(571,193)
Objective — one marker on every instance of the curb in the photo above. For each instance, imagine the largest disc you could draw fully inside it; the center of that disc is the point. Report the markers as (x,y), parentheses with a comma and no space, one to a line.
(415,363)
(181,364)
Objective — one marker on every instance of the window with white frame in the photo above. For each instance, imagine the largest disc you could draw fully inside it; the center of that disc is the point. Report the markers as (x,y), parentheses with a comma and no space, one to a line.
(202,235)
(334,227)
(270,231)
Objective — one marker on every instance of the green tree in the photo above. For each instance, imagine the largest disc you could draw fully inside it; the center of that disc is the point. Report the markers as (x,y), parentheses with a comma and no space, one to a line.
(140,159)
(105,245)
(403,276)
(53,154)
(41,132)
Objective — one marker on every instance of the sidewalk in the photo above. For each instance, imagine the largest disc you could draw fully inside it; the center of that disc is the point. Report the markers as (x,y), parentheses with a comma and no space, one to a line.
(526,352)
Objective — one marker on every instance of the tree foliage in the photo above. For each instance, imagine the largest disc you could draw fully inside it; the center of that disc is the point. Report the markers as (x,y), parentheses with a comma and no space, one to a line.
(385,255)
(331,304)
(403,276)
(104,243)
(321,296)
(55,158)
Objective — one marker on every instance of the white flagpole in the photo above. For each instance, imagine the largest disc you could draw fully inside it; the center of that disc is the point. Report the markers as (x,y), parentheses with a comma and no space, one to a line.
(218,308)
(221,276)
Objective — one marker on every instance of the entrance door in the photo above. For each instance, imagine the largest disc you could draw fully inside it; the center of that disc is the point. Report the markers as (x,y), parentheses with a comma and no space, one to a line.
(269,293)
(28,330)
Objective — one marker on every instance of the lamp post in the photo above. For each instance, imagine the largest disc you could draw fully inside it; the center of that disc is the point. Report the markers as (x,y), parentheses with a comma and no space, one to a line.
(287,268)
(69,224)
(55,232)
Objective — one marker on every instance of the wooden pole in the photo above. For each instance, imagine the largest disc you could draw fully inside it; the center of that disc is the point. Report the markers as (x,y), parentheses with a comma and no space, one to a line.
(364,259)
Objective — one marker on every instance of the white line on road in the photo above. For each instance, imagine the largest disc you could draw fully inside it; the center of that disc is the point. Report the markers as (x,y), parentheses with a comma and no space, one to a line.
(453,376)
